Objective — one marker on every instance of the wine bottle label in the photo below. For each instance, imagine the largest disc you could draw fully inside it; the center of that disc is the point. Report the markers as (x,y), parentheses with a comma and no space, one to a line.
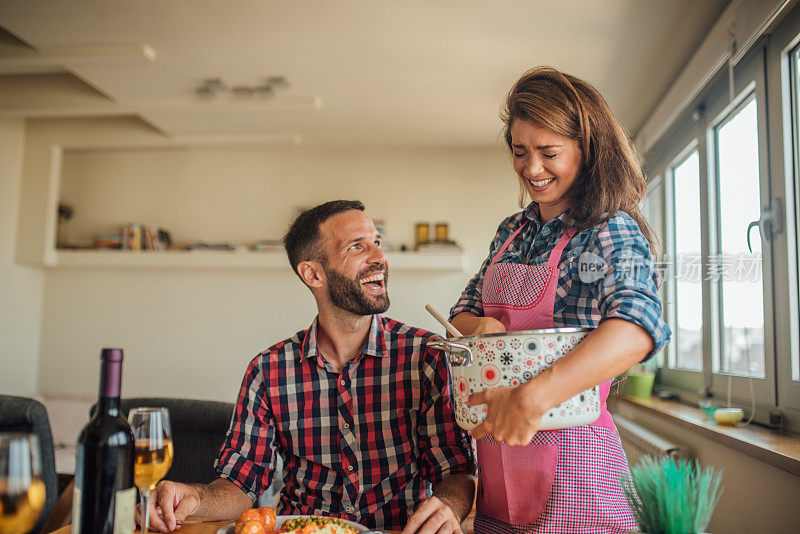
(76,510)
(124,511)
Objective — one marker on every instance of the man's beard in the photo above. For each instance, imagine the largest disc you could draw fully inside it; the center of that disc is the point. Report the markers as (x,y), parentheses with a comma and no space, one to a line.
(348,295)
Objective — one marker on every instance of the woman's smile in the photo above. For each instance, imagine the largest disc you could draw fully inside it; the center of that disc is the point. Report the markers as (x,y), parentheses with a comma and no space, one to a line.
(541,185)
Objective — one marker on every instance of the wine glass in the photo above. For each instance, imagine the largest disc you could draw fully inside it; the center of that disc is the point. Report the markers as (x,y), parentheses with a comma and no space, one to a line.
(22,491)
(153,452)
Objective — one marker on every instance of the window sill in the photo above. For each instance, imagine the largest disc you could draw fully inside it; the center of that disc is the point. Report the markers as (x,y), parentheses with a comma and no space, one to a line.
(777,448)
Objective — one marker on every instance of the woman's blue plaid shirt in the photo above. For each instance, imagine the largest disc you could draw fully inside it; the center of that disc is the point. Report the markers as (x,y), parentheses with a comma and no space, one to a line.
(623,284)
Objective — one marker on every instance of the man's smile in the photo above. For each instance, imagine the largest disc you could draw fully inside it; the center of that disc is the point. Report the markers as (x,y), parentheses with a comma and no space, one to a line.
(373,283)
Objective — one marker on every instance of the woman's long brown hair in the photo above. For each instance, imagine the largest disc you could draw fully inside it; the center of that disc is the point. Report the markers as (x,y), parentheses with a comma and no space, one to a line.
(612,178)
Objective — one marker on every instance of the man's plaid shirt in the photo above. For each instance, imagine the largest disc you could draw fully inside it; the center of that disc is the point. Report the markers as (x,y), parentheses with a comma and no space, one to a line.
(626,288)
(365,444)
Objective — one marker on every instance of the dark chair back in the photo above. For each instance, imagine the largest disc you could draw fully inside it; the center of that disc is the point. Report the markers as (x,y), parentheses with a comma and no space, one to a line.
(198,430)
(21,414)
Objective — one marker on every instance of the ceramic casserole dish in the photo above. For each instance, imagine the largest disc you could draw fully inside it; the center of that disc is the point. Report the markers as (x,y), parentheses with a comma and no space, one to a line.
(510,359)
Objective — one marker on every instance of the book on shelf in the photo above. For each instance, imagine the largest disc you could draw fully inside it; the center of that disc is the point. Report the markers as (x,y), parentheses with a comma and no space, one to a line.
(108,241)
(135,236)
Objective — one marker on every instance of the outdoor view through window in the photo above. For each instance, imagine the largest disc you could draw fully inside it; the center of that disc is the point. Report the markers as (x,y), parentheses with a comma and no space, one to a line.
(736,269)
(688,265)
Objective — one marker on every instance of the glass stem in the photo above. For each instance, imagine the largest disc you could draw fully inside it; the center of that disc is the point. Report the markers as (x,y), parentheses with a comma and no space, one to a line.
(145,509)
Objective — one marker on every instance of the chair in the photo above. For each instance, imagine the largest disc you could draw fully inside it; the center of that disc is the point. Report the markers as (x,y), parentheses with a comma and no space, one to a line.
(20,414)
(198,430)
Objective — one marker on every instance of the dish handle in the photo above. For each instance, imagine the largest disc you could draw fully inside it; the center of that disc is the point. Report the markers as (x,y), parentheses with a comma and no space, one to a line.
(457,353)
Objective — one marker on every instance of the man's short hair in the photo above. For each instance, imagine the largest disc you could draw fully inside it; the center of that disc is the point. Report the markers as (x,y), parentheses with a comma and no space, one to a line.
(302,241)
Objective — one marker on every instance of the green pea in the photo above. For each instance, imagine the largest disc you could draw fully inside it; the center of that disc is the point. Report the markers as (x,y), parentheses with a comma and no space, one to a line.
(300,522)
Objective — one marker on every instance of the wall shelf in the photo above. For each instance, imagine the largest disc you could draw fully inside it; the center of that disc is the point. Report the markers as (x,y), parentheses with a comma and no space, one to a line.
(212,259)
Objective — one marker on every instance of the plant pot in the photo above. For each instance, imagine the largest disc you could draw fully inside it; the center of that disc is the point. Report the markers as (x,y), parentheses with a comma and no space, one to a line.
(639,385)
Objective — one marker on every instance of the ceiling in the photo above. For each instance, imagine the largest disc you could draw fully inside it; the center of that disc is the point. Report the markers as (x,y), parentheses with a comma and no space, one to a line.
(360,72)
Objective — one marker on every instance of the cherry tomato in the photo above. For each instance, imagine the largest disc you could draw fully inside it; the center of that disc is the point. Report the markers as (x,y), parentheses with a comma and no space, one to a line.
(249,527)
(250,515)
(268,516)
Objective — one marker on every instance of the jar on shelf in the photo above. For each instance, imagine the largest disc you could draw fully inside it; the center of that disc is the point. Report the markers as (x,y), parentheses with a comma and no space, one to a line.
(440,232)
(422,233)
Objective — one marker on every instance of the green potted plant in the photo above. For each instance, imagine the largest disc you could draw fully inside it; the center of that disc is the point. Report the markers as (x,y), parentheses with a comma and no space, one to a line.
(640,378)
(672,497)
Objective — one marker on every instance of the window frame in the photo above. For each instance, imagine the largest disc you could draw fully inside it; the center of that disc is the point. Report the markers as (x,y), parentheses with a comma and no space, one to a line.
(653,210)
(678,147)
(672,255)
(777,88)
(748,85)
(784,131)
(793,59)
(696,130)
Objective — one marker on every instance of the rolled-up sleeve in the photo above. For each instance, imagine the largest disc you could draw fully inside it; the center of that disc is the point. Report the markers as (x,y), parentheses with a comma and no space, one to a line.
(247,457)
(445,448)
(628,286)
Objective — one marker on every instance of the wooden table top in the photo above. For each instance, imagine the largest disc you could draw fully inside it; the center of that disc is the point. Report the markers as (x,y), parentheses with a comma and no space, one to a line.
(189,528)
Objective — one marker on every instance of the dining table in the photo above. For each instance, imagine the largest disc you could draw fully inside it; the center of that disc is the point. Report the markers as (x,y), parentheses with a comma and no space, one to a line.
(202,525)
(199,525)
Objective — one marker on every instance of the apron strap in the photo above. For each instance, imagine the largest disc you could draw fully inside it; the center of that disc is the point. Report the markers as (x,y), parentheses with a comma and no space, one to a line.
(555,255)
(505,245)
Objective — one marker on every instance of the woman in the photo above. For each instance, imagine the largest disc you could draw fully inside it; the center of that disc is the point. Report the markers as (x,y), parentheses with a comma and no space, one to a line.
(581,172)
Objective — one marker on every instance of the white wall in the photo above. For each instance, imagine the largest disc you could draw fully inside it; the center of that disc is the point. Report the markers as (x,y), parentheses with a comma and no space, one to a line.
(192,332)
(20,286)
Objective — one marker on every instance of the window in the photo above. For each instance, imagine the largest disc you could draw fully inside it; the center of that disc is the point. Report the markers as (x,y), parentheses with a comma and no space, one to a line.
(653,210)
(794,70)
(686,274)
(735,268)
(731,165)
(719,299)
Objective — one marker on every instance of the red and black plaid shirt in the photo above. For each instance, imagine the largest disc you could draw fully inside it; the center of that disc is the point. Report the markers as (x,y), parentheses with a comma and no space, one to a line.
(365,444)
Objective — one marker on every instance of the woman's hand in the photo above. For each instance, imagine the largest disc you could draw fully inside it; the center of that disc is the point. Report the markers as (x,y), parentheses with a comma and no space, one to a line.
(512,415)
(472,325)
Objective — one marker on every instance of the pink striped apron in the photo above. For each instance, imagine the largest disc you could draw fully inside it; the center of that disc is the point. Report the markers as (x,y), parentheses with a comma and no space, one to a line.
(566,480)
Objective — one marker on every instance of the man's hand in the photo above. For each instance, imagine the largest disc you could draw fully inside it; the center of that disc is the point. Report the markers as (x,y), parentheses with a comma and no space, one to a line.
(433,516)
(170,503)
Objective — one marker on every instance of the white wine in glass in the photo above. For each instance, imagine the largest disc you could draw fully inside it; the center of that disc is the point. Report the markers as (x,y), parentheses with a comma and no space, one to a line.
(22,491)
(152,453)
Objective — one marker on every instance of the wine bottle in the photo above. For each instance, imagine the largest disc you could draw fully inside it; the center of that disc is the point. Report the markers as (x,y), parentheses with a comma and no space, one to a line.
(105,497)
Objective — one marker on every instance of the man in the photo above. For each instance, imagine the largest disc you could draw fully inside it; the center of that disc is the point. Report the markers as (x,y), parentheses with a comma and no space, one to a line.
(356,405)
